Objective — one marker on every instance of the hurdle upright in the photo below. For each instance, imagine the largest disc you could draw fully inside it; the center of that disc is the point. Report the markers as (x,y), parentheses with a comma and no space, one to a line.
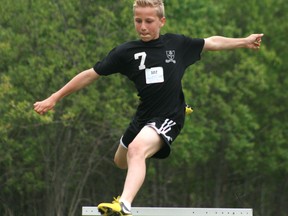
(153,211)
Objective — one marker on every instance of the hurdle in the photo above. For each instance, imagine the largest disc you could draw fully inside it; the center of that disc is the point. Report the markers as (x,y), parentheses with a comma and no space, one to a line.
(156,211)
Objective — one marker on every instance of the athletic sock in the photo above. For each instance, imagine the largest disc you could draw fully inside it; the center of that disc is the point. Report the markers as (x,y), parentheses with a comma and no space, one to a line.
(127,206)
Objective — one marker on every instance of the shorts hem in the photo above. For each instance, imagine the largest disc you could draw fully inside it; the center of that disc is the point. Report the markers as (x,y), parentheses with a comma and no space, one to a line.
(122,143)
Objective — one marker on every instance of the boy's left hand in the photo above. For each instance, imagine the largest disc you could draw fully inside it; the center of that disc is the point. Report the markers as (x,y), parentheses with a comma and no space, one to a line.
(254,41)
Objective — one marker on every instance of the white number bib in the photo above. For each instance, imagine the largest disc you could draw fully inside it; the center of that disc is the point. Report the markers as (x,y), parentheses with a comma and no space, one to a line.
(154,75)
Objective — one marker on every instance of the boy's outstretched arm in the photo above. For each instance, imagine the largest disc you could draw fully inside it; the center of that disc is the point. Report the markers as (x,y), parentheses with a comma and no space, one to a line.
(216,43)
(78,82)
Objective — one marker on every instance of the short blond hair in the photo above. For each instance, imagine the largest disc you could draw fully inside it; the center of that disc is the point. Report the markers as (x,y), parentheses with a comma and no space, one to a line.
(158,4)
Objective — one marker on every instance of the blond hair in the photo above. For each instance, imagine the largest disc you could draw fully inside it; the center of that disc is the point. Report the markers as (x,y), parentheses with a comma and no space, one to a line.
(158,4)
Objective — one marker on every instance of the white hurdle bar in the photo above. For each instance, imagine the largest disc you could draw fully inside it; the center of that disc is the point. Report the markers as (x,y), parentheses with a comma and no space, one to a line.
(153,211)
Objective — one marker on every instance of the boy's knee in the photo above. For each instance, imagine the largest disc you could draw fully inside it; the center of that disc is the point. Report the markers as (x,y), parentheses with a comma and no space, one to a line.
(120,158)
(136,151)
(120,163)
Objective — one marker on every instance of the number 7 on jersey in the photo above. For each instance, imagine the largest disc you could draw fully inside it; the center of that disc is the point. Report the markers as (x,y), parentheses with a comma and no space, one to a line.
(141,55)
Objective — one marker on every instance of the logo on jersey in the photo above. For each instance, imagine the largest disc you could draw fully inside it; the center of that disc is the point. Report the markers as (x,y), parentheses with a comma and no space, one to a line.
(170,56)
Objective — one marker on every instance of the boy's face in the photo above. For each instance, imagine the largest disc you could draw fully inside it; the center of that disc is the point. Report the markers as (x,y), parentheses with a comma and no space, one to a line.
(147,23)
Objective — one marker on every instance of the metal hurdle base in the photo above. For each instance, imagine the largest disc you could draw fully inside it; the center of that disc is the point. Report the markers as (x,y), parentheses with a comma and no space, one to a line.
(147,211)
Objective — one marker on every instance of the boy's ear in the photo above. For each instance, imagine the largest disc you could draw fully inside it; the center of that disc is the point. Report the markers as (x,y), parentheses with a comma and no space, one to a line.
(163,21)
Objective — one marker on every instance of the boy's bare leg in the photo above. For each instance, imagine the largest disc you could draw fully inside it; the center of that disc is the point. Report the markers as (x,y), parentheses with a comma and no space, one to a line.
(145,144)
(120,157)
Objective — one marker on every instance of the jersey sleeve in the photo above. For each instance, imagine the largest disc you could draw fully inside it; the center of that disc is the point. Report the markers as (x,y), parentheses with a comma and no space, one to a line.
(110,64)
(192,48)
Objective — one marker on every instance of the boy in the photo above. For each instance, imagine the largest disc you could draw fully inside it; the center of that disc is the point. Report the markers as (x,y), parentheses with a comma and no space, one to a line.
(156,64)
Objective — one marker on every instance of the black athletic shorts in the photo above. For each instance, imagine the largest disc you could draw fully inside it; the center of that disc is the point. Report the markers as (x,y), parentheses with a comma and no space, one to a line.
(166,128)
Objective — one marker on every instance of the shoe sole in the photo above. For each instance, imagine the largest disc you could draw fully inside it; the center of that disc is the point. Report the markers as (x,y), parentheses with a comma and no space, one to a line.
(109,212)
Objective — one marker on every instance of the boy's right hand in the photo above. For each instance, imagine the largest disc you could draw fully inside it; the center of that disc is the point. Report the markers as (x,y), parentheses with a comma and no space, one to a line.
(42,107)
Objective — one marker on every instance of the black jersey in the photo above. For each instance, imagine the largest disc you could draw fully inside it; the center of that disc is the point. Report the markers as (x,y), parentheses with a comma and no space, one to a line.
(156,68)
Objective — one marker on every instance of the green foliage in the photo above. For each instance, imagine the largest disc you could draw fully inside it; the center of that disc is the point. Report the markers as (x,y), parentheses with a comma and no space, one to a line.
(232,151)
